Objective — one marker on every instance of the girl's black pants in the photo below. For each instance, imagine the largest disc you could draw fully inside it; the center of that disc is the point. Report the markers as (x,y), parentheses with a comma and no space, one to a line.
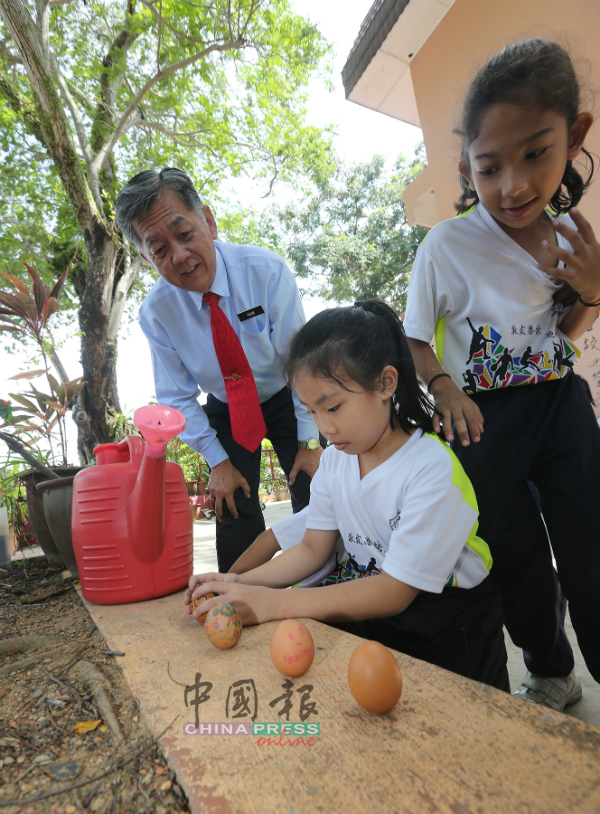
(545,433)
(459,629)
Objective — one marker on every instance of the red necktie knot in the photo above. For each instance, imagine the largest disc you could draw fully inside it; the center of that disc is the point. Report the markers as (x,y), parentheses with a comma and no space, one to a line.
(211,298)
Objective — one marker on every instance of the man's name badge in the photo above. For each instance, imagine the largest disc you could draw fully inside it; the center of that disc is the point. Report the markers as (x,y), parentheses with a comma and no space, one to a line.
(251,312)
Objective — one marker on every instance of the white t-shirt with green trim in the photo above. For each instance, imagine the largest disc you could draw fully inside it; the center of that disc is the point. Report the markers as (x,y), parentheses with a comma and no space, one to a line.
(489,307)
(290,531)
(414,516)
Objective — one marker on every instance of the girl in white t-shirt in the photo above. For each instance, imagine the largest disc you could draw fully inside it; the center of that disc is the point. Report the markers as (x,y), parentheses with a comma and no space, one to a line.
(489,285)
(416,575)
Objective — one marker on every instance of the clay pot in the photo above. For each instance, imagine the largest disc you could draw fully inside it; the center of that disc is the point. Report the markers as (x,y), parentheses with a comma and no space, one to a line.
(57,495)
(35,511)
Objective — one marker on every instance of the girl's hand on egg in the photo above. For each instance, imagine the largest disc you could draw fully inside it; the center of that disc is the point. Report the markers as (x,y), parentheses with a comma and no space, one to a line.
(582,266)
(198,580)
(254,603)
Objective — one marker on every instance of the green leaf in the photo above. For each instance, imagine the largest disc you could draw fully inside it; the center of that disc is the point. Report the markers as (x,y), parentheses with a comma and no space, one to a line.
(53,382)
(24,401)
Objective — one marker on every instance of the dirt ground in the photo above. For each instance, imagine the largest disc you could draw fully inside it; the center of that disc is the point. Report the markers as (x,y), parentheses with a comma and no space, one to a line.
(54,677)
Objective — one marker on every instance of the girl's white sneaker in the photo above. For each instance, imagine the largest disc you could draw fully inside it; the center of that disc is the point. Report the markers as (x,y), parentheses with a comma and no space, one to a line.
(556,693)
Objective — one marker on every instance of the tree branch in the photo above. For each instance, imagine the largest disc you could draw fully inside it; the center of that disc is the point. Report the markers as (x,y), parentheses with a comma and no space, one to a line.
(179,35)
(80,96)
(5,52)
(122,289)
(20,104)
(52,123)
(43,24)
(16,446)
(170,69)
(177,137)
(75,115)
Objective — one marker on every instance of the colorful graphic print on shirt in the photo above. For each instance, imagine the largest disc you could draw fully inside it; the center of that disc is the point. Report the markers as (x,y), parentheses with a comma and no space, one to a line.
(491,363)
(350,568)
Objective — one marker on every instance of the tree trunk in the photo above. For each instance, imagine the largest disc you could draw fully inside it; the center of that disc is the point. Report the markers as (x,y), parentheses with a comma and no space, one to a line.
(50,124)
(98,353)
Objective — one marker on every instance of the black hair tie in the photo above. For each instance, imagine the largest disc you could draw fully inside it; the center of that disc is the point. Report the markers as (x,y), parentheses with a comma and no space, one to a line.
(589,304)
(437,376)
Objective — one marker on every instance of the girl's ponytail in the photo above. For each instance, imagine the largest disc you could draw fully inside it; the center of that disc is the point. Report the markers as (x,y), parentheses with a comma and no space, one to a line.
(411,405)
(354,344)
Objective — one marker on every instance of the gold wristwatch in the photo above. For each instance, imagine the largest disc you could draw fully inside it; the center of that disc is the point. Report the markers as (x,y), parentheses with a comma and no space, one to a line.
(312,443)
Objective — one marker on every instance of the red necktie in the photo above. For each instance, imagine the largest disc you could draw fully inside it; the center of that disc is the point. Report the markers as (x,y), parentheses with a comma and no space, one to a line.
(248,426)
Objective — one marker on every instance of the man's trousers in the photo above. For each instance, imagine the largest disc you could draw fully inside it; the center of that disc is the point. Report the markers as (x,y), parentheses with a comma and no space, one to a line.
(235,536)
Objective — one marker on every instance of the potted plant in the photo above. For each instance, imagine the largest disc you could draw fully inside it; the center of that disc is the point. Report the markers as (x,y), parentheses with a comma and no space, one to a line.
(41,415)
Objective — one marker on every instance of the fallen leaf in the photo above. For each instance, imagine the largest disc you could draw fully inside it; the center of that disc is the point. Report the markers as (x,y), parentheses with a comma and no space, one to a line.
(64,771)
(86,726)
(44,593)
(166,785)
(103,728)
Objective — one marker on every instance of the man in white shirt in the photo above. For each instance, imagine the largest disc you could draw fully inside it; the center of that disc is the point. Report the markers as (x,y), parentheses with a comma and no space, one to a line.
(162,214)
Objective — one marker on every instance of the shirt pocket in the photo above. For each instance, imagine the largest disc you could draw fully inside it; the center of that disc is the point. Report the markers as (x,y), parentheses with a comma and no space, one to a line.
(254,326)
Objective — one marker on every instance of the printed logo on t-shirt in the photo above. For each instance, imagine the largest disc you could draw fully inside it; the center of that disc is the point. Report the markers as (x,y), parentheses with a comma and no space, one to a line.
(395,521)
(351,569)
(492,364)
(360,540)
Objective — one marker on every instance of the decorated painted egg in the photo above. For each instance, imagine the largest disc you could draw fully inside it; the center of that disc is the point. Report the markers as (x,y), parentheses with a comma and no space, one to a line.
(198,601)
(223,626)
(374,677)
(292,648)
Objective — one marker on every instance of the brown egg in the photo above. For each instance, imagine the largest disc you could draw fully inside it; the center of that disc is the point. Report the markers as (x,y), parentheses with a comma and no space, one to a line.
(374,677)
(292,648)
(223,626)
(198,601)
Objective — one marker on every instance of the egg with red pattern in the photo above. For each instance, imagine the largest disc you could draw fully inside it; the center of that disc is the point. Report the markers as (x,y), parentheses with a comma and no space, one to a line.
(292,648)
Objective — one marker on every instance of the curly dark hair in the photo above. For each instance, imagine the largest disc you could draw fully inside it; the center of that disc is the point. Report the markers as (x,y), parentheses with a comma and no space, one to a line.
(531,72)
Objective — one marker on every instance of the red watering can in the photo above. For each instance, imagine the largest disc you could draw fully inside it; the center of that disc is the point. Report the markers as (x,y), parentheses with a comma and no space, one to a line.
(132,520)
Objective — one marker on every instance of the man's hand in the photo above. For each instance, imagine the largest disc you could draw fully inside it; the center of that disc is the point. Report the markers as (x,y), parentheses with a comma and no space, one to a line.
(456,407)
(307,460)
(224,480)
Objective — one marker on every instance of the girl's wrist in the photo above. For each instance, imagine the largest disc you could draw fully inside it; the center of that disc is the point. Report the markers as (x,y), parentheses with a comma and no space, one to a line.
(589,301)
(440,382)
(274,605)
(436,377)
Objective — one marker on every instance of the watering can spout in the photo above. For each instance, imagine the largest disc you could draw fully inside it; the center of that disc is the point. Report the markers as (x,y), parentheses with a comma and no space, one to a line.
(158,425)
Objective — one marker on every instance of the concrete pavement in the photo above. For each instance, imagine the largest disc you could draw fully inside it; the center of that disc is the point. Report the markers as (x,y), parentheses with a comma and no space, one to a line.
(205,553)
